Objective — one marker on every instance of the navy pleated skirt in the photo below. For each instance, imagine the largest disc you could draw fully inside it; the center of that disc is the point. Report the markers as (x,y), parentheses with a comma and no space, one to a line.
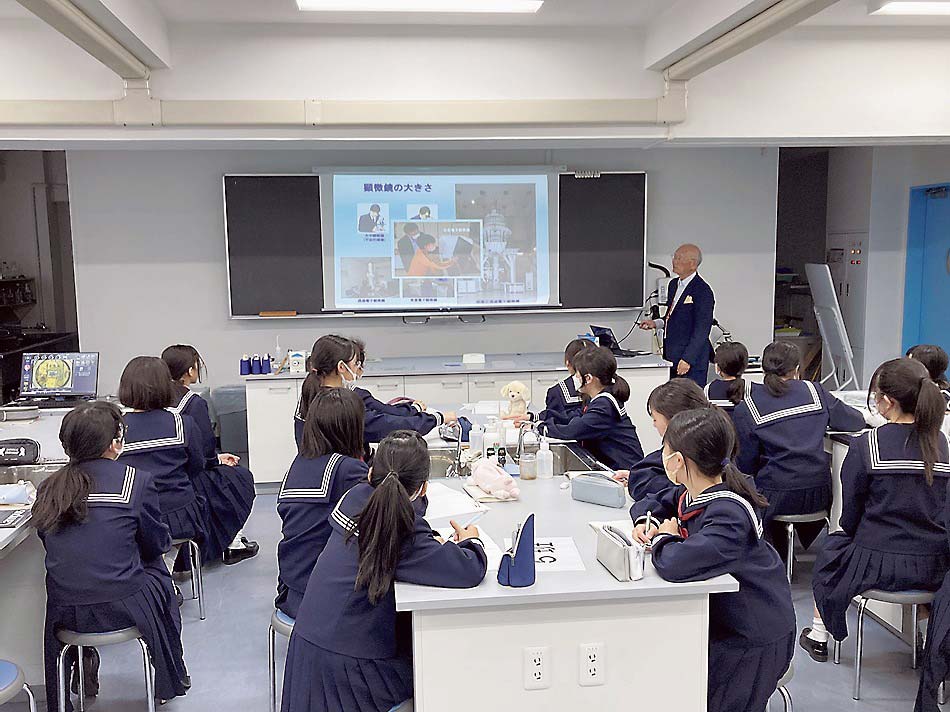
(229,495)
(936,663)
(188,521)
(288,600)
(799,501)
(316,680)
(744,677)
(152,609)
(843,569)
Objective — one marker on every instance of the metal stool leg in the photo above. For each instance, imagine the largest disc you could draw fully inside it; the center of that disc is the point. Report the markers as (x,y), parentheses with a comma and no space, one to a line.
(790,552)
(787,699)
(29,695)
(271,659)
(82,678)
(942,693)
(196,573)
(149,676)
(837,650)
(913,635)
(63,690)
(859,651)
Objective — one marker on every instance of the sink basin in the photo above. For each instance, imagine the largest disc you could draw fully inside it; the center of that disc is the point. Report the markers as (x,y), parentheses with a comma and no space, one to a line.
(568,457)
(30,473)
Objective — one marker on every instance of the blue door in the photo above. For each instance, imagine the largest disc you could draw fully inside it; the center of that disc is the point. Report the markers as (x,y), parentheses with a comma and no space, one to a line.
(927,288)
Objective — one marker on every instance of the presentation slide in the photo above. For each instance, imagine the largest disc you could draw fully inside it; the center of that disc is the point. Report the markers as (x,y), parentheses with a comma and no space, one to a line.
(438,241)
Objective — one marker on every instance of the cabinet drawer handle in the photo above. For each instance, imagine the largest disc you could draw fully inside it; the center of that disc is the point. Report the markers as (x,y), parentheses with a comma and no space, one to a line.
(387,386)
(485,383)
(279,389)
(452,384)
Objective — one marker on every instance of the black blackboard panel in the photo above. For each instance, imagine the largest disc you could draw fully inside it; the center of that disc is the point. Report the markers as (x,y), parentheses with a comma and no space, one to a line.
(601,226)
(275,256)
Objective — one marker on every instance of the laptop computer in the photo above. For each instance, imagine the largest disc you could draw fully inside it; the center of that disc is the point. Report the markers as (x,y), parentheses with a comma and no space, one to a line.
(605,337)
(57,380)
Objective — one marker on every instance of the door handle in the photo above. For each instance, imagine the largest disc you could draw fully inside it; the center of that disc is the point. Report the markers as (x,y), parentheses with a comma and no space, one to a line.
(948,261)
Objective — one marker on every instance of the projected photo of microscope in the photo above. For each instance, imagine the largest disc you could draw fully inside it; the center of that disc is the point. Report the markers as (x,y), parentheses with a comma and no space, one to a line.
(509,238)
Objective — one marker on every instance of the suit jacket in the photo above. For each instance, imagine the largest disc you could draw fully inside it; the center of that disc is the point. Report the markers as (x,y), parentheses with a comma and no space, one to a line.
(688,325)
(367,224)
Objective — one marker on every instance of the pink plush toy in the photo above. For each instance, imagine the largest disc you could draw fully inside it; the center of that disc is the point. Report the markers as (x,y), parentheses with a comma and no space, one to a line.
(493,480)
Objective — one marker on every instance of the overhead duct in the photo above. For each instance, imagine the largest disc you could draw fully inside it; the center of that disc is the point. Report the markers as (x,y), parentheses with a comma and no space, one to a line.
(780,16)
(65,17)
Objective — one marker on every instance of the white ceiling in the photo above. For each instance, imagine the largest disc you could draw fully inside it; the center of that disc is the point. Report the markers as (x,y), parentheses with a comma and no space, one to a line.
(553,12)
(851,13)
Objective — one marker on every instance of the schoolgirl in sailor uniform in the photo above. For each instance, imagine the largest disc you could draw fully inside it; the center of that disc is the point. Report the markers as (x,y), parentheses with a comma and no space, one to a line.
(329,463)
(894,487)
(935,360)
(648,477)
(781,426)
(227,487)
(563,401)
(164,443)
(731,359)
(102,528)
(604,429)
(350,651)
(710,526)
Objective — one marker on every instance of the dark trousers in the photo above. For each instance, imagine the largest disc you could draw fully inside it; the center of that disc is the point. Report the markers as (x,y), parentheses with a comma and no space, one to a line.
(698,374)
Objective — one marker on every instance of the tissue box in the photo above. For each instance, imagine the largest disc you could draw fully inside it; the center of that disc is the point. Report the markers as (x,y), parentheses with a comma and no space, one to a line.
(298,361)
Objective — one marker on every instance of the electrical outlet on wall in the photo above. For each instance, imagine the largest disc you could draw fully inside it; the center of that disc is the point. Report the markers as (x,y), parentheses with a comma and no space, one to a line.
(591,664)
(537,673)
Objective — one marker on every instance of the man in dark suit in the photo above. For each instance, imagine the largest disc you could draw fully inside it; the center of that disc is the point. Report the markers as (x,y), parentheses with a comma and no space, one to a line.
(688,318)
(371,221)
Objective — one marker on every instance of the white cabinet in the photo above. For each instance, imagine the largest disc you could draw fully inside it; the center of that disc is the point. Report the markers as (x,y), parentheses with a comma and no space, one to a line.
(384,388)
(270,427)
(487,386)
(447,390)
(541,381)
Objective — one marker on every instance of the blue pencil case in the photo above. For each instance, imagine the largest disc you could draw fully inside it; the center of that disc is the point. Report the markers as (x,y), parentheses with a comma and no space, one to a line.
(517,564)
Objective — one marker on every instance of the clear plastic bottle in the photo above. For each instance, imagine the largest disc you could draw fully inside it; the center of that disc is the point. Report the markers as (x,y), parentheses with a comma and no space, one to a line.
(490,450)
(529,466)
(476,439)
(545,461)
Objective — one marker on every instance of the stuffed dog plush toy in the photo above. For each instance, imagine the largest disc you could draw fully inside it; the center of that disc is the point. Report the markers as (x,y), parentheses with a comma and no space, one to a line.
(517,395)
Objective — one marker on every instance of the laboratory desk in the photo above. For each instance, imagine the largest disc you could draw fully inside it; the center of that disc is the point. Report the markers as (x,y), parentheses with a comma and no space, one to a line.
(272,399)
(476,639)
(23,603)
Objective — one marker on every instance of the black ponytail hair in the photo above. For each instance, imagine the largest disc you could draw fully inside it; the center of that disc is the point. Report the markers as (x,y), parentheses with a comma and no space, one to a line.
(329,350)
(400,468)
(675,396)
(732,358)
(935,360)
(181,357)
(779,361)
(707,438)
(906,381)
(335,424)
(602,364)
(308,391)
(574,348)
(87,432)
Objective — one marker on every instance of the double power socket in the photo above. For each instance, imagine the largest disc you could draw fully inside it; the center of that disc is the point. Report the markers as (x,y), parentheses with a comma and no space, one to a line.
(591,666)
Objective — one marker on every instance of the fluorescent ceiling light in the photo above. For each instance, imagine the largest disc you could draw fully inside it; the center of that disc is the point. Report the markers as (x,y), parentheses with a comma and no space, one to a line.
(438,6)
(908,7)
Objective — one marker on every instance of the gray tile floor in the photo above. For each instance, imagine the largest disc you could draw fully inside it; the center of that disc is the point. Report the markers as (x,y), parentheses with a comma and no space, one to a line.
(227,653)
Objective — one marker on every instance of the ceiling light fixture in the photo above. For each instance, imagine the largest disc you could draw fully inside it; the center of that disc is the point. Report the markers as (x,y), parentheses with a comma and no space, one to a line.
(908,7)
(435,6)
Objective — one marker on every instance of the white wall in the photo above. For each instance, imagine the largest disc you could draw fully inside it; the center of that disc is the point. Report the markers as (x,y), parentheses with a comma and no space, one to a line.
(150,262)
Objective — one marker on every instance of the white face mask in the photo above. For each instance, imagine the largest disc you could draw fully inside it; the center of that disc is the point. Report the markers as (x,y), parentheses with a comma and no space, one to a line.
(351,385)
(578,381)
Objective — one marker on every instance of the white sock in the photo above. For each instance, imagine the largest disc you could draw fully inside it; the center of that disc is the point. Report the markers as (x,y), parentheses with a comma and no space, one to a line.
(237,543)
(818,632)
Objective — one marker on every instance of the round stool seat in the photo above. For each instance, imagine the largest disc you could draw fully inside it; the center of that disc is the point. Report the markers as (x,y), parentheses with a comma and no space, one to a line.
(96,640)
(787,677)
(180,542)
(801,518)
(11,681)
(906,598)
(282,623)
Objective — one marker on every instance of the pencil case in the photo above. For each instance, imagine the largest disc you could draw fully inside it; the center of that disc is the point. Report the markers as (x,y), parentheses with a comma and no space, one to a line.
(619,554)
(598,488)
(19,451)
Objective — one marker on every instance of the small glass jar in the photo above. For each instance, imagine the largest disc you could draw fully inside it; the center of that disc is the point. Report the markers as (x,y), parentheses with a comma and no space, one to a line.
(529,466)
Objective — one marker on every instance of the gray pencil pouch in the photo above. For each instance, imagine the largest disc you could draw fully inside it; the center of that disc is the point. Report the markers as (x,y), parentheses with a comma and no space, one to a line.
(598,488)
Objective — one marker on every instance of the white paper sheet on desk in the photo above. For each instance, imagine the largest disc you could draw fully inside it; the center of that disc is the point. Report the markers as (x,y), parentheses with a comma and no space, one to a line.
(492,550)
(554,554)
(446,503)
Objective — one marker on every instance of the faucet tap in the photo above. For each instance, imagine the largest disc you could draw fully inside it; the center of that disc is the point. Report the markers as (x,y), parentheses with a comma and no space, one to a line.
(522,429)
(455,468)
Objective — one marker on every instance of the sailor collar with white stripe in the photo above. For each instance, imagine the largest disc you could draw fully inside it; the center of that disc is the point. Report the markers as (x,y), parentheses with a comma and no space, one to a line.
(609,396)
(566,390)
(312,492)
(343,520)
(124,496)
(815,406)
(170,441)
(881,464)
(186,397)
(714,493)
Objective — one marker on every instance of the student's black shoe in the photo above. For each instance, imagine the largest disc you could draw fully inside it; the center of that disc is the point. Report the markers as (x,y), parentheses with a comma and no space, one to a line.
(186,682)
(817,651)
(178,596)
(90,671)
(236,556)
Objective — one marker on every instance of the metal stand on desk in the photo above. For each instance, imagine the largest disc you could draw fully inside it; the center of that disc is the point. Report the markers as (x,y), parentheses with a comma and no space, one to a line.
(834,335)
